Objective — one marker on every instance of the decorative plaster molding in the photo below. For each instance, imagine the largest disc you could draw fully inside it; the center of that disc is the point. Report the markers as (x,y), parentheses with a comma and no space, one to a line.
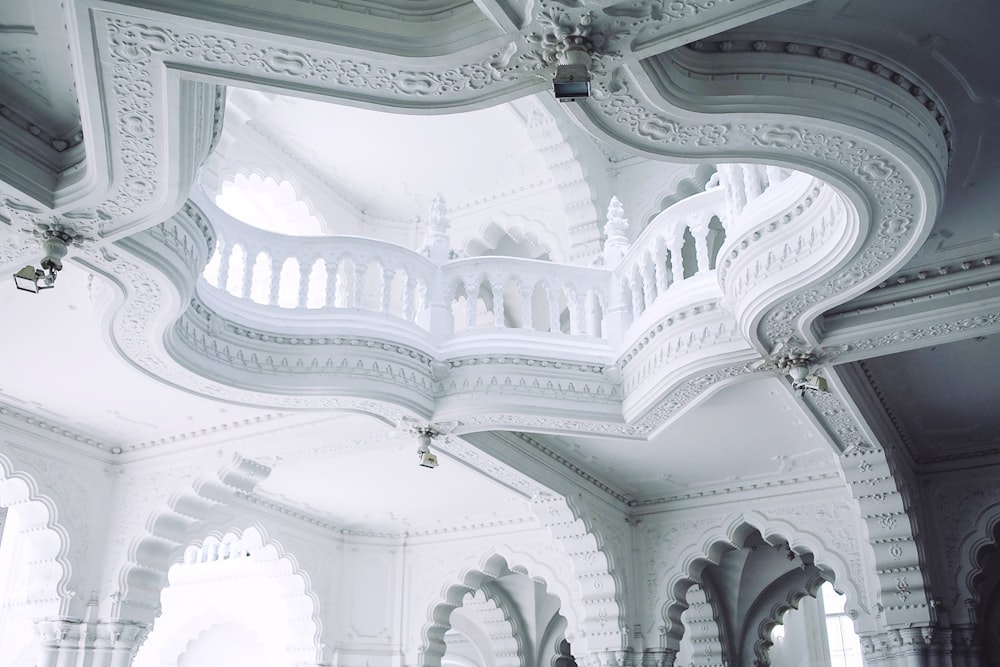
(837,420)
(575,469)
(780,486)
(925,335)
(871,65)
(940,271)
(231,427)
(35,422)
(58,144)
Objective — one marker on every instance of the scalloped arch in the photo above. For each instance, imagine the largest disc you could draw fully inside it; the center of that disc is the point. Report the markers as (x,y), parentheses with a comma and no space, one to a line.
(170,528)
(790,600)
(473,575)
(268,180)
(708,548)
(983,537)
(50,568)
(491,618)
(292,593)
(532,231)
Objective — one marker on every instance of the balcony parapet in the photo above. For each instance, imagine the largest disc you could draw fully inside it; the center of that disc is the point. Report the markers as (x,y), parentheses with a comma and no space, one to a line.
(490,342)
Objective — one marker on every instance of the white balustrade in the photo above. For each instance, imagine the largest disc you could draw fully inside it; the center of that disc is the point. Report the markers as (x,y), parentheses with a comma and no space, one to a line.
(678,244)
(525,294)
(334,273)
(322,272)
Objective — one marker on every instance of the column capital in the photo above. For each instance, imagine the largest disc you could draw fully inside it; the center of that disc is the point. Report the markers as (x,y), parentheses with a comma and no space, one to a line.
(121,634)
(60,632)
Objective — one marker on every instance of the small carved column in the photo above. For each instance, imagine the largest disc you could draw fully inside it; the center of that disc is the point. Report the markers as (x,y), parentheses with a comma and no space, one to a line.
(499,312)
(272,288)
(471,303)
(59,642)
(660,267)
(246,278)
(699,230)
(385,277)
(222,276)
(117,643)
(71,642)
(360,269)
(305,273)
(527,306)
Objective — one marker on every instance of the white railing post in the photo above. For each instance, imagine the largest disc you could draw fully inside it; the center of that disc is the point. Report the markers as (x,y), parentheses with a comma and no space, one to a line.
(250,257)
(648,283)
(330,266)
(527,292)
(577,325)
(225,250)
(385,278)
(499,319)
(660,266)
(407,299)
(635,286)
(676,247)
(272,289)
(358,296)
(435,315)
(553,298)
(471,302)
(305,271)
(699,230)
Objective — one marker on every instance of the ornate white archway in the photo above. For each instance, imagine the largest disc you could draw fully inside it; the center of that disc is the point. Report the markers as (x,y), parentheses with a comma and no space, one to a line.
(474,575)
(45,593)
(836,555)
(263,590)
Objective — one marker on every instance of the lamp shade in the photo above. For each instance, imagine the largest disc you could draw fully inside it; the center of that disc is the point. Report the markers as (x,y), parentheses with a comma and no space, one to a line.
(27,279)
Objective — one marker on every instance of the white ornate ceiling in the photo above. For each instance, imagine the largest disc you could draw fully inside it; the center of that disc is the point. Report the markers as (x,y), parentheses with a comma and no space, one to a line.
(889,107)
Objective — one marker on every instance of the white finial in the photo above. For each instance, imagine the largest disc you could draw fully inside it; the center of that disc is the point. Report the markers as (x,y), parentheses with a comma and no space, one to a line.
(616,232)
(437,244)
(438,219)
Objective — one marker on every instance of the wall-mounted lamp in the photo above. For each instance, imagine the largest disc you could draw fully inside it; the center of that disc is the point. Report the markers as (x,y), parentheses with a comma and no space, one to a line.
(55,241)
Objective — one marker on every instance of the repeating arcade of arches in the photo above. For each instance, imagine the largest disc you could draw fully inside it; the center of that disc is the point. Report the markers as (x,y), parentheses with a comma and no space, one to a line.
(49,542)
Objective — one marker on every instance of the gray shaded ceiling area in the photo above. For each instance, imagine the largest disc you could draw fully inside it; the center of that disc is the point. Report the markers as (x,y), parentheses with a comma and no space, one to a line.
(943,398)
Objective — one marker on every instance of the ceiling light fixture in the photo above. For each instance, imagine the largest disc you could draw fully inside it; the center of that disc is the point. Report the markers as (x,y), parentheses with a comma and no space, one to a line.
(798,366)
(55,241)
(572,78)
(424,436)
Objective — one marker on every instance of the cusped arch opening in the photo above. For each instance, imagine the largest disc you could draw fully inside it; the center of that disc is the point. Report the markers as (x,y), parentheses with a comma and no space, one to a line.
(240,579)
(514,601)
(34,545)
(811,562)
(980,560)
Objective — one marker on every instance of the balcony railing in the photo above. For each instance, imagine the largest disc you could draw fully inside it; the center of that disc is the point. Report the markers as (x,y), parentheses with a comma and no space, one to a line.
(269,272)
